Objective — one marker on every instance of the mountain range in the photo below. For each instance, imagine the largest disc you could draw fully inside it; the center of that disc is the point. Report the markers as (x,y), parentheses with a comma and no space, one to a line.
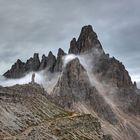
(92,98)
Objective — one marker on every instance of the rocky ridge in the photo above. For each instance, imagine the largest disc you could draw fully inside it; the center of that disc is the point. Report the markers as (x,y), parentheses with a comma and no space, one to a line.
(50,63)
(109,69)
(26,113)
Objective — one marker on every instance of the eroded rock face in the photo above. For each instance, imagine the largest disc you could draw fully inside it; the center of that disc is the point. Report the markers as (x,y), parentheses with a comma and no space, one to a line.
(87,40)
(59,61)
(113,71)
(32,64)
(19,69)
(109,69)
(51,62)
(74,86)
(43,63)
(16,70)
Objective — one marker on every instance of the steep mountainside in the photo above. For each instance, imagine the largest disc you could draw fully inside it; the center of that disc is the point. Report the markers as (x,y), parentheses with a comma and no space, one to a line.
(91,82)
(74,87)
(108,92)
(26,113)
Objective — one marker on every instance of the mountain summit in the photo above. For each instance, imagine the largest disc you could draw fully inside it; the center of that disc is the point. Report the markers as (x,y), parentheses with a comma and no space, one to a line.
(87,40)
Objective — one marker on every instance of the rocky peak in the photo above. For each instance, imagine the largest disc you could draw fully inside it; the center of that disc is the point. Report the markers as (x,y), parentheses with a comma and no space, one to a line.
(60,52)
(43,63)
(50,54)
(59,60)
(33,64)
(16,69)
(51,62)
(73,46)
(68,85)
(36,56)
(19,64)
(87,41)
(87,32)
(19,61)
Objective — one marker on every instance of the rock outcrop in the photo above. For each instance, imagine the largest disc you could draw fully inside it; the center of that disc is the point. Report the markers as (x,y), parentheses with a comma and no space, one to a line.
(51,62)
(59,61)
(87,40)
(17,70)
(33,63)
(43,63)
(113,72)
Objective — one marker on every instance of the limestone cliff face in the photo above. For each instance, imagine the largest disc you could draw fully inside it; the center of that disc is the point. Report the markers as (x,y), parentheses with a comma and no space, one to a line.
(87,40)
(43,62)
(59,62)
(109,69)
(17,70)
(32,64)
(51,62)
(112,71)
(74,86)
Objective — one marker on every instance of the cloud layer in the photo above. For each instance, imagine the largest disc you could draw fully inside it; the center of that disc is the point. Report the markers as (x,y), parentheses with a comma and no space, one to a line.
(40,26)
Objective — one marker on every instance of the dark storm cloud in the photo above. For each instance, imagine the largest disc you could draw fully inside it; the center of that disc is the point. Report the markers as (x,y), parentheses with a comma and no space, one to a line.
(41,25)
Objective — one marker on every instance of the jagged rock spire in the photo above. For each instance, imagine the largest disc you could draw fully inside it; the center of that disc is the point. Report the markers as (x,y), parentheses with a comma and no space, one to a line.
(59,61)
(16,70)
(43,63)
(87,41)
(19,69)
(33,63)
(51,62)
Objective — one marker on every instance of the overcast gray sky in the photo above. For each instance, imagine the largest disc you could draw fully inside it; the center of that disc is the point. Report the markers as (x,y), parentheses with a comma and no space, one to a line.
(28,26)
